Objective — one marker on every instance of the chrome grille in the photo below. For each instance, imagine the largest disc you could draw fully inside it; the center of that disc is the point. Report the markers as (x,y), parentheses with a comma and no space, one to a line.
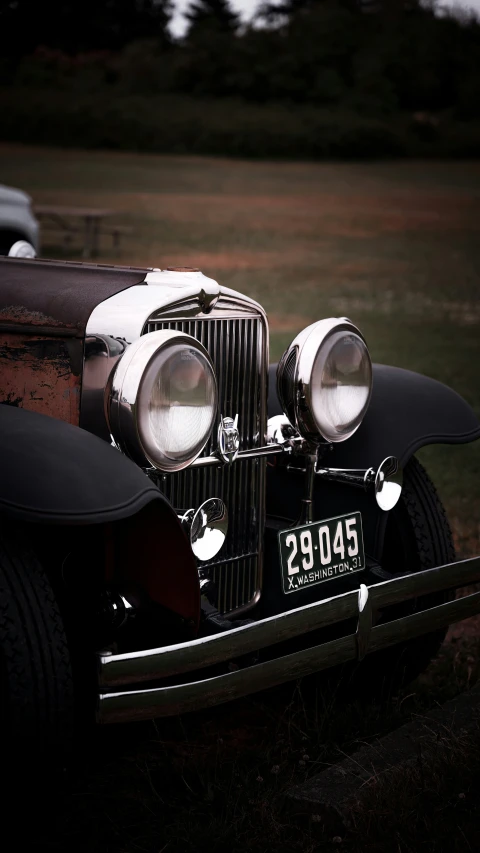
(237,347)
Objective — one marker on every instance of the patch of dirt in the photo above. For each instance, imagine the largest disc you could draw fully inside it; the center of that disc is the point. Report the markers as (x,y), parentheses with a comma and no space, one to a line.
(236,259)
(388,303)
(462,631)
(287,322)
(328,214)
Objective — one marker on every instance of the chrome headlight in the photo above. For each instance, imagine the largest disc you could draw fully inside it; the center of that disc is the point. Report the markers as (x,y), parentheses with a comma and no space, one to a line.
(324,380)
(163,400)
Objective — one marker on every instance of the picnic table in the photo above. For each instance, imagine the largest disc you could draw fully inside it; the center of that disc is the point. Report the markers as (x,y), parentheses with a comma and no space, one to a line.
(86,221)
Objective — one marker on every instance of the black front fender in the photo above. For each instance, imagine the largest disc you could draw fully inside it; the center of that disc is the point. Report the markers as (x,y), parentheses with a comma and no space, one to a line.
(407,411)
(57,473)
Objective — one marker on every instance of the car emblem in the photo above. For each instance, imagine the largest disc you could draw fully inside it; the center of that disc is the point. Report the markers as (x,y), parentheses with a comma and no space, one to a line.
(228,439)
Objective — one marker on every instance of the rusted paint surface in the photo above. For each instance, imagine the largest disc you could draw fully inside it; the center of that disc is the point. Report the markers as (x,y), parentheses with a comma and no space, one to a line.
(20,314)
(36,373)
(44,311)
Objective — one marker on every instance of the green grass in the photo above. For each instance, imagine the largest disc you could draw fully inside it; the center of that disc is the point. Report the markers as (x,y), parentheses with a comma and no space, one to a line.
(393,246)
(396,247)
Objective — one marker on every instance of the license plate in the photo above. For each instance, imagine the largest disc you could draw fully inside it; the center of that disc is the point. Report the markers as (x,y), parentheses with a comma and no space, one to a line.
(321,551)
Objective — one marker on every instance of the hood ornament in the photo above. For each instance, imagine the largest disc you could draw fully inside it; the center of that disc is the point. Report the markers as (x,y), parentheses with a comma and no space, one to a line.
(208,296)
(228,439)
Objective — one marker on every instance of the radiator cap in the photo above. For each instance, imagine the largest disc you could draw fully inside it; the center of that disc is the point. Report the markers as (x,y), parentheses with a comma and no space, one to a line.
(183,269)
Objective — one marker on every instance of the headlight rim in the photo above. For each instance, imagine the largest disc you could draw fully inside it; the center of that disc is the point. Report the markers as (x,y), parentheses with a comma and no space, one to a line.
(307,345)
(123,392)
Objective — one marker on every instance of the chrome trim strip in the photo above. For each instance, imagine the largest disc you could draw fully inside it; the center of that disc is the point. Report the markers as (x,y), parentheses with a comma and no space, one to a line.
(365,621)
(135,667)
(168,701)
(252,453)
(165,701)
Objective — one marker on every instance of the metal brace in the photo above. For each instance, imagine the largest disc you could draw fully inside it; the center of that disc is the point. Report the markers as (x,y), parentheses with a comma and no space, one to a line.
(364,625)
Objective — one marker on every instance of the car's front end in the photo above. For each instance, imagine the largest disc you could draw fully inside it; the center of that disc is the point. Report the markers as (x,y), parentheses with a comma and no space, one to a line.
(233,331)
(302,536)
(210,527)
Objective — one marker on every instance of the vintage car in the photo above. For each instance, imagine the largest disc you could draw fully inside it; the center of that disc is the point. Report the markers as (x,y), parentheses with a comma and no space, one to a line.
(18,224)
(181,525)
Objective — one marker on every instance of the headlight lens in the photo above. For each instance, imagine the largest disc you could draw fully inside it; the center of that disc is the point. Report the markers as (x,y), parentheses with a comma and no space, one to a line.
(341,381)
(325,380)
(164,400)
(177,404)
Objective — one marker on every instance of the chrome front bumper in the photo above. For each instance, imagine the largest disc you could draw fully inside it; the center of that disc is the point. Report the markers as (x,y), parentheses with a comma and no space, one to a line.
(120,671)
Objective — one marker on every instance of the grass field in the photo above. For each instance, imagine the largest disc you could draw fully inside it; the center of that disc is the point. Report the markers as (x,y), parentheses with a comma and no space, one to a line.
(396,247)
(393,246)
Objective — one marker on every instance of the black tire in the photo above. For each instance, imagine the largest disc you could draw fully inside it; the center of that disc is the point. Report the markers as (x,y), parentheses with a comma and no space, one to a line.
(36,702)
(418,537)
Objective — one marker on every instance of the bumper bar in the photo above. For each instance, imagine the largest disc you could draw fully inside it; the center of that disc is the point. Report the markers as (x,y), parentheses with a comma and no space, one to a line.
(133,668)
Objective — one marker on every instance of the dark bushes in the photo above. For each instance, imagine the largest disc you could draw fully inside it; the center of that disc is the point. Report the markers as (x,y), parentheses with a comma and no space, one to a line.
(182,124)
(322,80)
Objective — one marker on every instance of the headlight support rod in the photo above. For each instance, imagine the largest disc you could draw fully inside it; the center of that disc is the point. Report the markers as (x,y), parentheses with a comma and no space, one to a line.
(307,510)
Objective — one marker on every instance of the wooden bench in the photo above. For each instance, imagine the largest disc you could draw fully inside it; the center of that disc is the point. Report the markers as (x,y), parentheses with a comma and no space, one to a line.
(116,232)
(60,221)
(65,237)
(59,236)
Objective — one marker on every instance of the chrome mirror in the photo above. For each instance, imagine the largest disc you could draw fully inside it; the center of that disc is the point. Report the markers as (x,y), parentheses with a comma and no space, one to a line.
(207,528)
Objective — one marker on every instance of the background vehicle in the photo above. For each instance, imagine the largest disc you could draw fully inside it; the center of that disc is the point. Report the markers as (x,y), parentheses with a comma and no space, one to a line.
(17,220)
(170,538)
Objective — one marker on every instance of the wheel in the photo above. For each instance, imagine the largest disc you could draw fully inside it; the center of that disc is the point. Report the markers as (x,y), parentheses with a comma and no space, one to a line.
(417,537)
(36,700)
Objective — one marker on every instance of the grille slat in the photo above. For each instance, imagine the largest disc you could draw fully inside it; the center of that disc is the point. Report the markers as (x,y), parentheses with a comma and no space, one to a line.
(236,345)
(244,403)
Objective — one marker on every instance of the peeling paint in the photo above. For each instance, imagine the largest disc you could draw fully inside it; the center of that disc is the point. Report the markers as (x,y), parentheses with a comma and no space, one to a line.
(36,351)
(36,374)
(20,314)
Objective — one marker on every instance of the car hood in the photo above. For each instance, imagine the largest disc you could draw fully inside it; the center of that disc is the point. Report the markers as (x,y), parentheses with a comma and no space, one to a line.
(58,295)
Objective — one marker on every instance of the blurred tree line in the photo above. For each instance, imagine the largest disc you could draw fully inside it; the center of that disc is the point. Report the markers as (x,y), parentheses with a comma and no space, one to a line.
(363,54)
(367,58)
